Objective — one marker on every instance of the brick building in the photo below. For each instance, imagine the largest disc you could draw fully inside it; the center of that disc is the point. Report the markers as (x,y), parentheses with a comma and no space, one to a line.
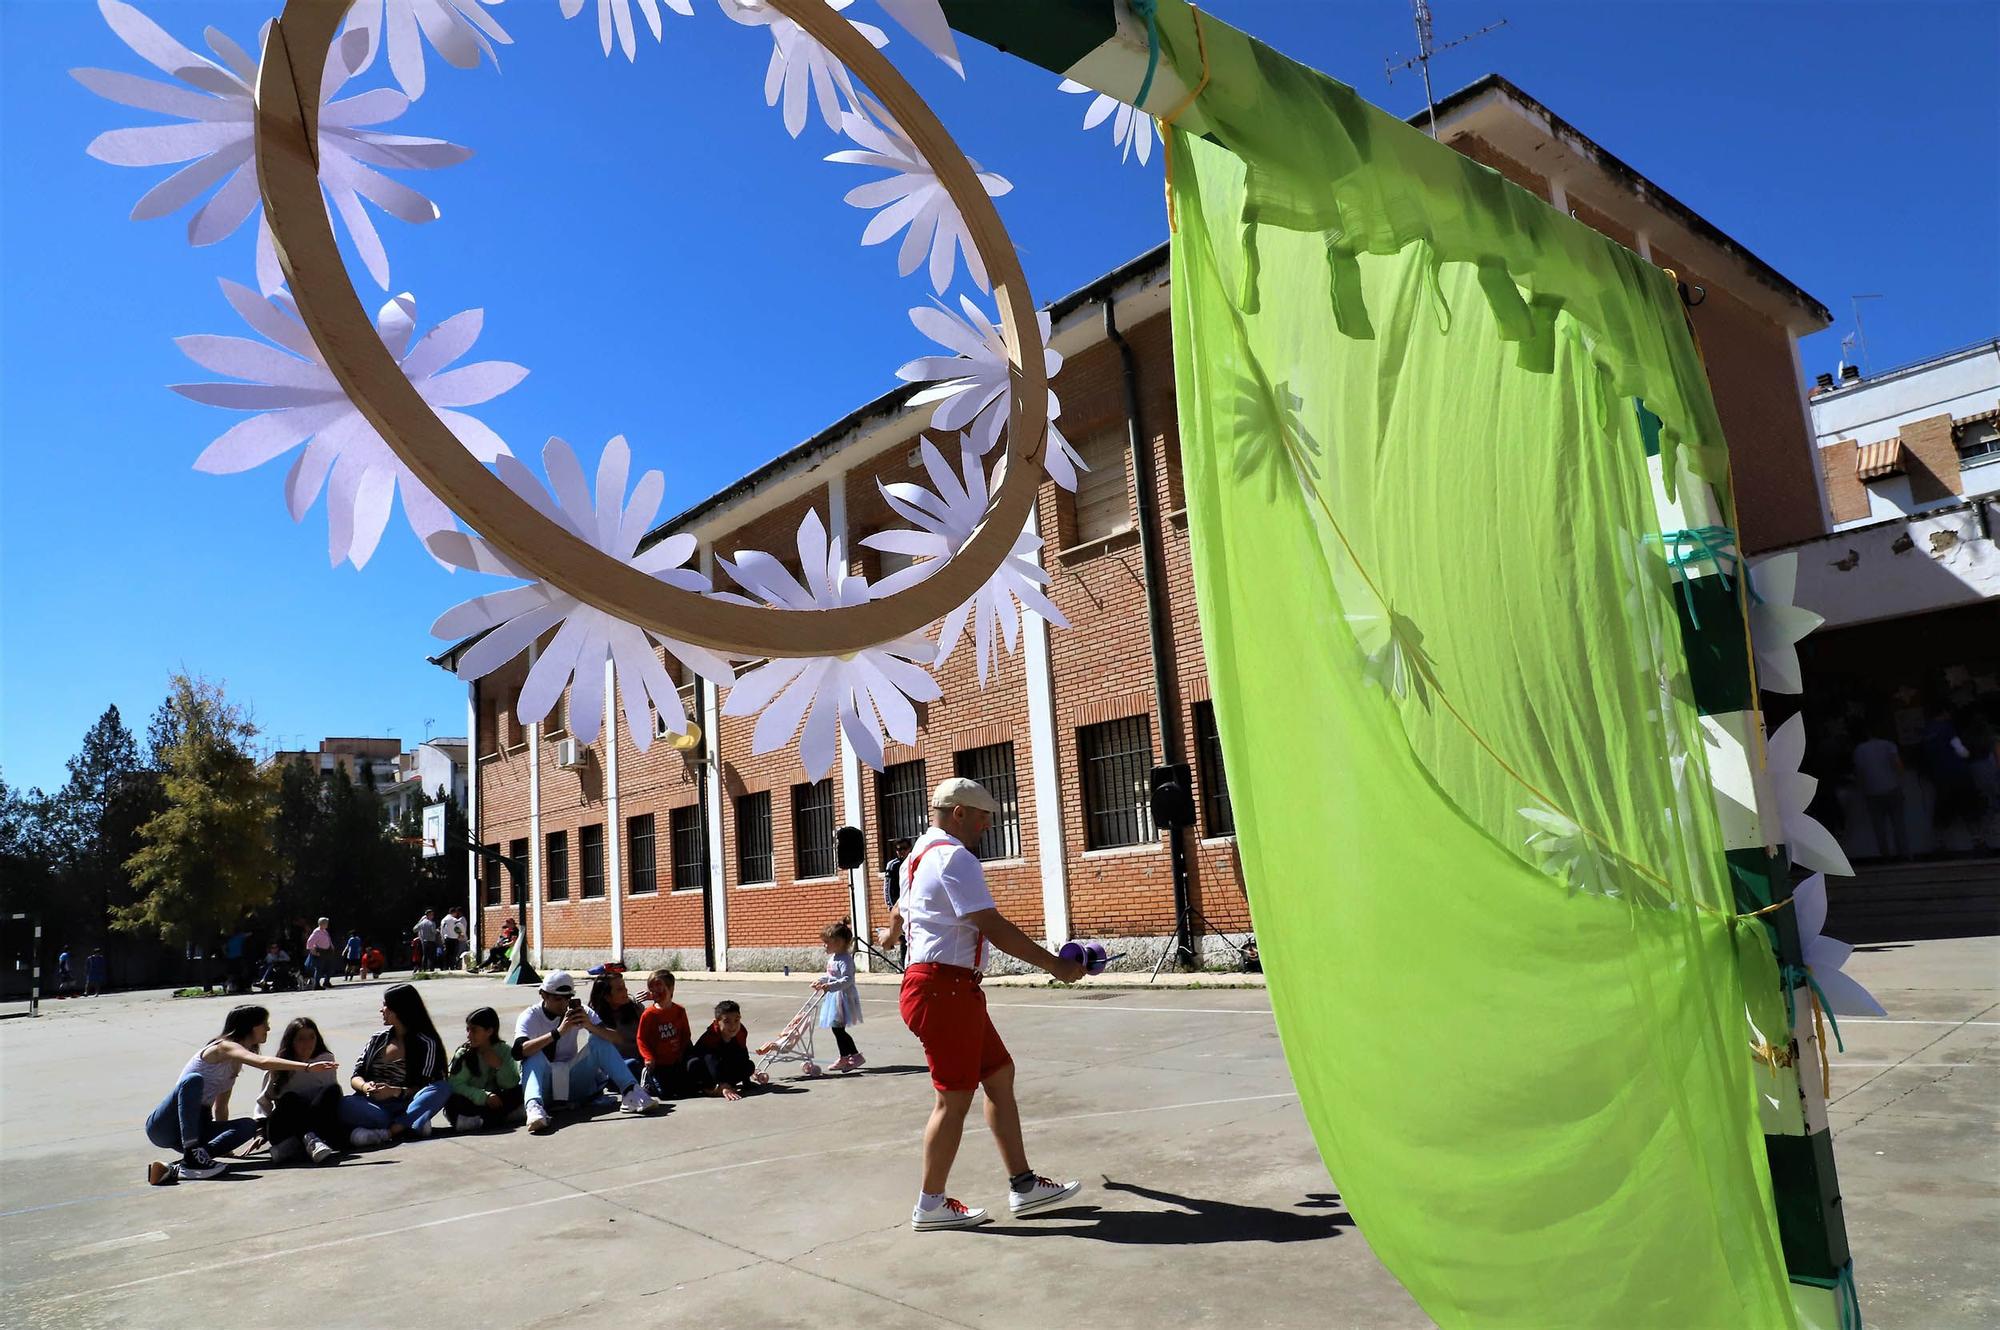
(718,859)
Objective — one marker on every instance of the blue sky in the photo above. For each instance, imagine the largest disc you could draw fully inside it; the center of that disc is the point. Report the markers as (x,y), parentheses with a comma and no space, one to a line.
(671,266)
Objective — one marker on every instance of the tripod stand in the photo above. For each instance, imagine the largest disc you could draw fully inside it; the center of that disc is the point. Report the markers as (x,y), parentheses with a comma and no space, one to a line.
(1184,930)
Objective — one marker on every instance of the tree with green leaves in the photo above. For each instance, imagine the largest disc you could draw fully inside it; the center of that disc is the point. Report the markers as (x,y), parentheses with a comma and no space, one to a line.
(98,812)
(206,856)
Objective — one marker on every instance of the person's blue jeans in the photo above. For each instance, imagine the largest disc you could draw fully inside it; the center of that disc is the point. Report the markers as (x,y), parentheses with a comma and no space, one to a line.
(410,1114)
(595,1063)
(182,1122)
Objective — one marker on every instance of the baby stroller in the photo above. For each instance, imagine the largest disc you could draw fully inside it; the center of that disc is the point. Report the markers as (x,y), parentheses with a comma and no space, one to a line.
(794,1043)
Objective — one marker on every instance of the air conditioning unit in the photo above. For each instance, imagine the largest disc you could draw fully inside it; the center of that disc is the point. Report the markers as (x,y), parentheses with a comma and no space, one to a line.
(569,754)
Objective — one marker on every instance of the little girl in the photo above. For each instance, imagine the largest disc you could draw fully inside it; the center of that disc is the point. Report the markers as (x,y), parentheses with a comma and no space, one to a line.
(840,1003)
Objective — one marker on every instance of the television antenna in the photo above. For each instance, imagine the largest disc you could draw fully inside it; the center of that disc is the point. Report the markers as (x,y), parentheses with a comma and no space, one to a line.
(1861,333)
(1426,49)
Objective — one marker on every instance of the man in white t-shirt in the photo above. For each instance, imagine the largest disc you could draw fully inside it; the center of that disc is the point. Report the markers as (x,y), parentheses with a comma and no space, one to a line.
(452,930)
(951,918)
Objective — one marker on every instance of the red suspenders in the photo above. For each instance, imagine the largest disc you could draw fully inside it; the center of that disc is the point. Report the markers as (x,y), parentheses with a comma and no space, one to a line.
(979,951)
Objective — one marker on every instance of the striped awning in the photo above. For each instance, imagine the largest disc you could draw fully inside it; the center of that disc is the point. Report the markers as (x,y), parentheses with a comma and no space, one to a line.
(1876,460)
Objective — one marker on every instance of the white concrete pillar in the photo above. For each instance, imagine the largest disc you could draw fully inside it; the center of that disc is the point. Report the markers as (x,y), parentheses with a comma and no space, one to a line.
(850,761)
(535,869)
(475,914)
(614,853)
(1043,771)
(711,723)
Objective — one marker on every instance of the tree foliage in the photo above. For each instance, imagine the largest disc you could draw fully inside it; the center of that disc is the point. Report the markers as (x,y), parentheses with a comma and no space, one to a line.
(206,857)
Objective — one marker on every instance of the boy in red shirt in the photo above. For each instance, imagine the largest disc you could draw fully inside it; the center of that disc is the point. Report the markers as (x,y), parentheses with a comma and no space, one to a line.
(724,1052)
(666,1042)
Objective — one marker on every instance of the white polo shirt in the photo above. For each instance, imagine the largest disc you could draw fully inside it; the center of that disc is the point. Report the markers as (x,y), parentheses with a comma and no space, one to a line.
(946,883)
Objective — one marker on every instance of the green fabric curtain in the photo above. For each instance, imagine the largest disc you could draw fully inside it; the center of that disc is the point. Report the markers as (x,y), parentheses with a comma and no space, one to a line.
(1470,788)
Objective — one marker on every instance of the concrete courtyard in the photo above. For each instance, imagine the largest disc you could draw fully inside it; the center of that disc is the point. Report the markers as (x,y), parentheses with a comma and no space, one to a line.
(1206,1203)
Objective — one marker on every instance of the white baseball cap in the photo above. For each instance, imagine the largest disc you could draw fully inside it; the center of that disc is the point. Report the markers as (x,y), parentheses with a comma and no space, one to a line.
(559,984)
(958,792)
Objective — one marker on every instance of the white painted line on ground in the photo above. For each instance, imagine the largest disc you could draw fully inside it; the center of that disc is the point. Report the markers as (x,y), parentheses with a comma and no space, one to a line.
(110,1244)
(1839,1062)
(1897,1020)
(908,1141)
(1093,1005)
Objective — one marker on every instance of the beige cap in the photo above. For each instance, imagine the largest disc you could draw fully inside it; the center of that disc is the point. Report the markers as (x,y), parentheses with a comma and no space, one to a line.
(958,792)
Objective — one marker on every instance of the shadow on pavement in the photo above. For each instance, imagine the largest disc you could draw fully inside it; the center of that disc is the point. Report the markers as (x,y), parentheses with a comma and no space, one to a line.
(1195,1222)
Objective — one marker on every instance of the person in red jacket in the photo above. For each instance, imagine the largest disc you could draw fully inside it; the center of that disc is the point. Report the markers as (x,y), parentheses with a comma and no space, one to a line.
(666,1042)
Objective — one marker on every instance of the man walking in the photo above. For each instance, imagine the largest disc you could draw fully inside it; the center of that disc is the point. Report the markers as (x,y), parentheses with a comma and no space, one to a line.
(452,930)
(951,917)
(426,934)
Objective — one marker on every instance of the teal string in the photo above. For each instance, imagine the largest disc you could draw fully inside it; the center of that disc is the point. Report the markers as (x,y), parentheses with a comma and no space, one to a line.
(1795,975)
(1847,1301)
(1147,9)
(1710,544)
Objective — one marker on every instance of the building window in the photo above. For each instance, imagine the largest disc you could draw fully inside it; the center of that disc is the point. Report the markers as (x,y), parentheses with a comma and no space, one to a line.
(590,847)
(517,887)
(812,830)
(690,832)
(1103,499)
(557,873)
(1116,758)
(1216,817)
(753,838)
(993,767)
(557,725)
(489,726)
(490,873)
(901,799)
(640,876)
(1977,441)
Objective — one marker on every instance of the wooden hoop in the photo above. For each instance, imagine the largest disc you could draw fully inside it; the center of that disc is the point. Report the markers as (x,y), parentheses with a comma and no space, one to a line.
(288,81)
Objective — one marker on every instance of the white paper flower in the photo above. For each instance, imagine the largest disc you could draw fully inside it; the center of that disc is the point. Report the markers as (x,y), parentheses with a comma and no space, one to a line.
(862,694)
(945,518)
(970,386)
(925,20)
(1824,955)
(1563,850)
(1131,129)
(298,401)
(585,637)
(802,70)
(1395,659)
(618,14)
(216,102)
(912,197)
(1271,437)
(1811,845)
(1777,625)
(460,30)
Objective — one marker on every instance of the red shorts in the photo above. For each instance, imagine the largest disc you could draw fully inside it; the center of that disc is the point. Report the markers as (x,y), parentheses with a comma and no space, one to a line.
(946,1010)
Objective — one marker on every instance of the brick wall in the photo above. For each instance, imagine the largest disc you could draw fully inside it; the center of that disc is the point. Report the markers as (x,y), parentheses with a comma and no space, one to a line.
(1931,459)
(1845,493)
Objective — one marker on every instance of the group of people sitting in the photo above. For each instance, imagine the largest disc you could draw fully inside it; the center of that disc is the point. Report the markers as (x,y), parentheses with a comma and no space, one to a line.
(403,1078)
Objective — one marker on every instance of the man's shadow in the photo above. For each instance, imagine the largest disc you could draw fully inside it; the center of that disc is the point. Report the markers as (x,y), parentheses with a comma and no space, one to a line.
(1194,1222)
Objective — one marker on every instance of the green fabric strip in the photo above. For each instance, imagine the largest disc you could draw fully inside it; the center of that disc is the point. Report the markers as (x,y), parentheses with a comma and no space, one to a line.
(1472,801)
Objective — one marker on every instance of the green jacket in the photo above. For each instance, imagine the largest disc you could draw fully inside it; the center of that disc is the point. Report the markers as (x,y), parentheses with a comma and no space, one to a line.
(472,1078)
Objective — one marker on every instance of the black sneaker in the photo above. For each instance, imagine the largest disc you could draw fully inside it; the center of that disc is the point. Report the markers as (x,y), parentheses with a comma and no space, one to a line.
(199,1163)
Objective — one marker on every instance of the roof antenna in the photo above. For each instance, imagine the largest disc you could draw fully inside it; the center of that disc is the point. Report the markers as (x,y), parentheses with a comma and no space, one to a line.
(1426,48)
(1861,333)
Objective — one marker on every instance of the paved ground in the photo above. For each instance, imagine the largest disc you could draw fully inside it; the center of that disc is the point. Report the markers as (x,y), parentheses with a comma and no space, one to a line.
(1207,1203)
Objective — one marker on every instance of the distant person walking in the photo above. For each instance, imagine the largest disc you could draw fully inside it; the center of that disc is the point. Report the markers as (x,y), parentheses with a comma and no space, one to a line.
(319,955)
(425,935)
(452,931)
(95,973)
(1878,773)
(350,955)
(65,974)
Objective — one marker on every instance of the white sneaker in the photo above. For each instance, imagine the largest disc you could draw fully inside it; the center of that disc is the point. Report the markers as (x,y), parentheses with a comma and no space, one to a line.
(422,1131)
(319,1150)
(470,1122)
(367,1138)
(951,1214)
(635,1100)
(1041,1196)
(538,1117)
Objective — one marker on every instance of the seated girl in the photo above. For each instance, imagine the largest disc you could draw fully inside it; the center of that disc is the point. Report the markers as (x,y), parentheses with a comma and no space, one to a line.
(485,1078)
(617,1020)
(194,1117)
(398,1080)
(302,1108)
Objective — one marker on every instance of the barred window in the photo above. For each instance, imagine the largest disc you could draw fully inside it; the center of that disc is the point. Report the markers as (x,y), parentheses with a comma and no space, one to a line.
(1217,819)
(753,838)
(993,767)
(490,873)
(557,874)
(1116,758)
(690,832)
(900,798)
(517,883)
(641,877)
(590,847)
(812,830)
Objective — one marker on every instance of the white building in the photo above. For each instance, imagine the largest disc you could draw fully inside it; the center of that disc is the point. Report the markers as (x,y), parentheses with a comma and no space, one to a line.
(429,772)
